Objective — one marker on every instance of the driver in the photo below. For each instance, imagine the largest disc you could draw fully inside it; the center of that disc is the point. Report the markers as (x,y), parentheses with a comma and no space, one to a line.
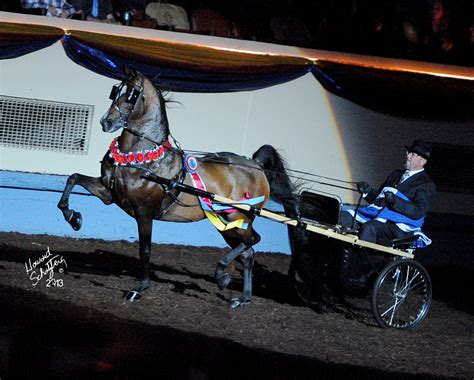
(398,208)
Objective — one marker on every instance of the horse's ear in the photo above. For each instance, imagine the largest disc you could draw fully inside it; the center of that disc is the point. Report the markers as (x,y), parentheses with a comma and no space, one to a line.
(130,72)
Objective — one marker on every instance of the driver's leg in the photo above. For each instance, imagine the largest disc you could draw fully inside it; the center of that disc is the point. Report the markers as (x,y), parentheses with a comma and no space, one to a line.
(347,220)
(380,233)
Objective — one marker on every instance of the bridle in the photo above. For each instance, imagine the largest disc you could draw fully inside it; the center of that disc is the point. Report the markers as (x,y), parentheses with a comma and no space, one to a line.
(131,98)
(132,95)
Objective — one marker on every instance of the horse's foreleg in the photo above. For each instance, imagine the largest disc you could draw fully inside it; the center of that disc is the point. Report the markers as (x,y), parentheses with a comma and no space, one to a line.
(247,258)
(92,185)
(145,226)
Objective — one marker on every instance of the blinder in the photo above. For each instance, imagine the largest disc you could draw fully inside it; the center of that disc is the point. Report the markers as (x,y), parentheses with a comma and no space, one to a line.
(131,95)
(114,92)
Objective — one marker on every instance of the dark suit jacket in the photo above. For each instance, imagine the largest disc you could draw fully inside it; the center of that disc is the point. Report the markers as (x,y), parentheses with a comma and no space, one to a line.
(419,188)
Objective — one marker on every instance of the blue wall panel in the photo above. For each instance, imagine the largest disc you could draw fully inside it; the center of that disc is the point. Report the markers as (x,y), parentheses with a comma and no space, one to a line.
(31,211)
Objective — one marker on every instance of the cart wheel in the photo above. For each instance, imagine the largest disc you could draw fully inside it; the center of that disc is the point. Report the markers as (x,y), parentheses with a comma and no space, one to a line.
(304,291)
(401,295)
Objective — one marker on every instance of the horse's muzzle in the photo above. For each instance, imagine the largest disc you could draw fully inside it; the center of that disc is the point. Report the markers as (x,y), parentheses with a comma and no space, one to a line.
(107,125)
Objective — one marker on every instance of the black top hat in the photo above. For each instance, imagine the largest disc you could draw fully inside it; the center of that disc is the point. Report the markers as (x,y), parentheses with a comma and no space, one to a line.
(420,147)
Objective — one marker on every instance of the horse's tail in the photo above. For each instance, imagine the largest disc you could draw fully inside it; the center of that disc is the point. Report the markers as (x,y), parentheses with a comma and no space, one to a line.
(281,188)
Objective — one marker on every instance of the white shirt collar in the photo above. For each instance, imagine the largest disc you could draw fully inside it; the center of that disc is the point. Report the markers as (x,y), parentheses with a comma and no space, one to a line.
(413,172)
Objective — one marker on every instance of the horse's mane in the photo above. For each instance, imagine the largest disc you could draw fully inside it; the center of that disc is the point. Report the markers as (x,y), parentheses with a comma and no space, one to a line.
(165,95)
(164,99)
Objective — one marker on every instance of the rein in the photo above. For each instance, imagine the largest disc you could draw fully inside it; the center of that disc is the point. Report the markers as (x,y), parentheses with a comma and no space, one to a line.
(157,153)
(216,160)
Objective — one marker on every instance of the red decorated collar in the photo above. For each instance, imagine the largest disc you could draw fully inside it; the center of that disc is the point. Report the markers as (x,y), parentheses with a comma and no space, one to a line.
(138,157)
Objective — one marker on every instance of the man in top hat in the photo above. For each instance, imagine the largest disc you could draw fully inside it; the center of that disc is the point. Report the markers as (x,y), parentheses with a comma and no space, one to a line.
(398,207)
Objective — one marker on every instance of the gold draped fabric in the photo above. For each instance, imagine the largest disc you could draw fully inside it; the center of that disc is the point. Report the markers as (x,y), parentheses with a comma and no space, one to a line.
(189,56)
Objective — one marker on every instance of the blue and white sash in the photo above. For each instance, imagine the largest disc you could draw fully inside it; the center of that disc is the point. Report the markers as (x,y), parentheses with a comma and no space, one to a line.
(383,214)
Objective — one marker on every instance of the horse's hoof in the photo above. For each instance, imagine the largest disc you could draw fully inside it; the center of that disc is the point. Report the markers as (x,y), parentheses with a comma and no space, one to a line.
(238,302)
(223,281)
(75,220)
(133,296)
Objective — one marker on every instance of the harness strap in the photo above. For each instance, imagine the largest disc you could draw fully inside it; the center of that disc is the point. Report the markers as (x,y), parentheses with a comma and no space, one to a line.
(141,136)
(181,177)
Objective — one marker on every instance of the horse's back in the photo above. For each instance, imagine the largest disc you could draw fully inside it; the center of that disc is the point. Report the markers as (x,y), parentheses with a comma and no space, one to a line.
(233,176)
(224,158)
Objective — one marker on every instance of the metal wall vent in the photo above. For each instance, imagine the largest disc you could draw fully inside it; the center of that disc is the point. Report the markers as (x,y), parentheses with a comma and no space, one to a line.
(45,125)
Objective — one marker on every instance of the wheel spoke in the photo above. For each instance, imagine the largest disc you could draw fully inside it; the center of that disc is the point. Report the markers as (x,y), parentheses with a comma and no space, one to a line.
(398,300)
(393,308)
(408,281)
(415,286)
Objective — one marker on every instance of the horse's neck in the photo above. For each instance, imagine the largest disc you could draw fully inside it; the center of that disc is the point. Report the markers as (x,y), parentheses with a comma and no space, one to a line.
(152,125)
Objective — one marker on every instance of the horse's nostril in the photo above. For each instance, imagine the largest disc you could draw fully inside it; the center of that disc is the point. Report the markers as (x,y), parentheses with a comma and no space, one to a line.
(106,124)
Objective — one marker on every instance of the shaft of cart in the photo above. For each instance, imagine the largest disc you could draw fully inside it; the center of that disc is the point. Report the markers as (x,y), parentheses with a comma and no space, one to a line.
(313,226)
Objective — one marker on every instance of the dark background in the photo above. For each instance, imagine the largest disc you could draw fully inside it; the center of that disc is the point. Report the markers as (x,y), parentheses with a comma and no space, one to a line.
(386,28)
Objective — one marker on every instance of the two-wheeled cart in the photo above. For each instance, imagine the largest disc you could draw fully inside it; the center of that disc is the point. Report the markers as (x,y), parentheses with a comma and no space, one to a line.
(399,286)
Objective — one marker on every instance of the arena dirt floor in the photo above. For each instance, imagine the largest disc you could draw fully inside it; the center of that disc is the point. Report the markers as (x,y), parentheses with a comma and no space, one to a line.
(184,329)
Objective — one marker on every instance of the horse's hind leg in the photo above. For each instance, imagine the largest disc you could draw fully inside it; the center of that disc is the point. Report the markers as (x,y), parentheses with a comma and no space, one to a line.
(245,251)
(223,278)
(92,185)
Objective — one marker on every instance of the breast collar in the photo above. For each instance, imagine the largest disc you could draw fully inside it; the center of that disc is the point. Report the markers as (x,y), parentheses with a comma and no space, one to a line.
(154,154)
(135,161)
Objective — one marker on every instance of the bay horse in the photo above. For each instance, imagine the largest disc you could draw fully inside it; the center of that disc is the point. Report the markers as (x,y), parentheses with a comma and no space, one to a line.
(139,109)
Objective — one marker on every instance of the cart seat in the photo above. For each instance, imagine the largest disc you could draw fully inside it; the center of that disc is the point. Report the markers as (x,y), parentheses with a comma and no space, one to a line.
(404,242)
(319,207)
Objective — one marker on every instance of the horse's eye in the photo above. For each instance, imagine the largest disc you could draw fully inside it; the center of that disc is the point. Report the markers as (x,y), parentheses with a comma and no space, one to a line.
(133,96)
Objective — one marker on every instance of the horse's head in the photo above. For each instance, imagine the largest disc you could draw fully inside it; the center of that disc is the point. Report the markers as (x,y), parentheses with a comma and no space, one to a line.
(127,102)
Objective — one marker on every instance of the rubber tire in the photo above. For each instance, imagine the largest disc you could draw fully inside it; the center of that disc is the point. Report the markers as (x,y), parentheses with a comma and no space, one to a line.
(423,292)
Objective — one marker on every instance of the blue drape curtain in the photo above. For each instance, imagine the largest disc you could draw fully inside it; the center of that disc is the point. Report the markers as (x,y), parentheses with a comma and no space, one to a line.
(17,40)
(178,77)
